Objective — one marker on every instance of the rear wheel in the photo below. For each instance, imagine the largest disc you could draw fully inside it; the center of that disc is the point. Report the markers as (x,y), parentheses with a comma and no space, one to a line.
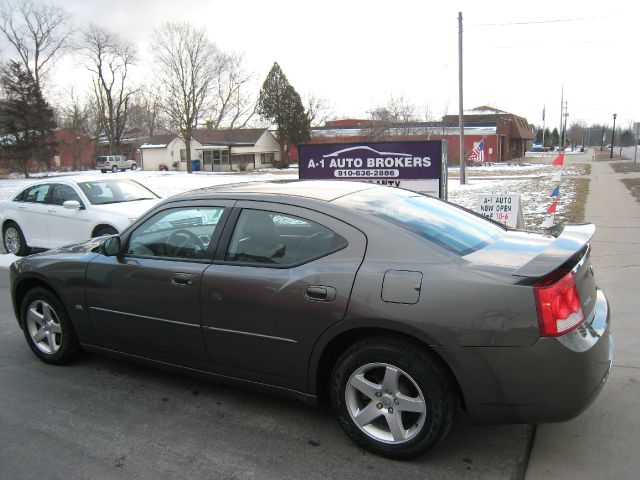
(103,171)
(14,241)
(47,327)
(392,397)
(134,166)
(114,169)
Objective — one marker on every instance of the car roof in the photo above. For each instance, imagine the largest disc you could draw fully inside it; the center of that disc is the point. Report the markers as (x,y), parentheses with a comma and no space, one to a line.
(325,190)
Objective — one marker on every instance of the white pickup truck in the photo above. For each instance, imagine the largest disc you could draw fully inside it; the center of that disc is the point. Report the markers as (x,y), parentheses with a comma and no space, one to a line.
(114,163)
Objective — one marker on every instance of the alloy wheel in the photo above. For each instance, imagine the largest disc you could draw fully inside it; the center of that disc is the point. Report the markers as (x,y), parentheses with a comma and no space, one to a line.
(44,327)
(385,403)
(12,240)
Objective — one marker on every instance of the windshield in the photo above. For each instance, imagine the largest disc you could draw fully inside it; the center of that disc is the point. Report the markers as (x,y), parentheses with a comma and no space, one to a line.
(444,224)
(102,192)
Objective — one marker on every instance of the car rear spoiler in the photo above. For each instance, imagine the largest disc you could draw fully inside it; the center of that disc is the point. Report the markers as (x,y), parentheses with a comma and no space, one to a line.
(570,239)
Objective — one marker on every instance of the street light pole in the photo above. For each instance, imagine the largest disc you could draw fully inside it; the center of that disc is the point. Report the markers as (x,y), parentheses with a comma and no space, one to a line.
(613,135)
(602,139)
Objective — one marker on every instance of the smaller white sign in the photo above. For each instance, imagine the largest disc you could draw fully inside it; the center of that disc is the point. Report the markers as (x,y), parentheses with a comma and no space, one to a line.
(503,208)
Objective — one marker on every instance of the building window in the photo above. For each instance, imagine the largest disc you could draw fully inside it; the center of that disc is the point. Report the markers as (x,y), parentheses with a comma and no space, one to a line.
(242,158)
(267,157)
(183,154)
(215,157)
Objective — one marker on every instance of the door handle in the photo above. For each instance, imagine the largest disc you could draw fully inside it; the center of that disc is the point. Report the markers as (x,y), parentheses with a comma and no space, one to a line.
(320,293)
(182,280)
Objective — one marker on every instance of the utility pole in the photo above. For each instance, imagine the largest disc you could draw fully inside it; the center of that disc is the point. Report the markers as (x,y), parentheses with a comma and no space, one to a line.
(613,135)
(463,172)
(635,153)
(564,128)
(602,139)
(560,148)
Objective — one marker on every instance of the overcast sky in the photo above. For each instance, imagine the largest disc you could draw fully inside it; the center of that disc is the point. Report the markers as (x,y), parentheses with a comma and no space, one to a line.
(359,53)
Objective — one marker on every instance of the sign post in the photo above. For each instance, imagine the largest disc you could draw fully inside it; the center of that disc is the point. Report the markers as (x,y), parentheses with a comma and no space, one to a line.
(419,166)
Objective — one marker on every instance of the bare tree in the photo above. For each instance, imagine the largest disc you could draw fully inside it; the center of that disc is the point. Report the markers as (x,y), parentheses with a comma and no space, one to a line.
(233,105)
(38,32)
(398,114)
(318,109)
(145,113)
(188,65)
(109,58)
(75,115)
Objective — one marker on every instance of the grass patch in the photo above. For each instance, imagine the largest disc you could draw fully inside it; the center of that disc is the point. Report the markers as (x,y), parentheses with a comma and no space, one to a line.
(573,212)
(604,156)
(633,184)
(625,167)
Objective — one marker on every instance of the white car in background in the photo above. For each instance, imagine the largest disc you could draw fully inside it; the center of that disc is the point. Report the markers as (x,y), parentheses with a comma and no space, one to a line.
(55,212)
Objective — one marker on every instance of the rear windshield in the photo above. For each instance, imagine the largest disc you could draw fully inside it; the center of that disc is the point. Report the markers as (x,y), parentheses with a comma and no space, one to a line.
(444,224)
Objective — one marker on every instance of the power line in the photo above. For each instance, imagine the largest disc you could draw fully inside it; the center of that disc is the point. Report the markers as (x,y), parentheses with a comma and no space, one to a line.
(537,22)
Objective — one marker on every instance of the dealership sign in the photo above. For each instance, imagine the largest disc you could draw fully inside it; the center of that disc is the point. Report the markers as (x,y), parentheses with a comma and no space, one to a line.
(503,208)
(419,166)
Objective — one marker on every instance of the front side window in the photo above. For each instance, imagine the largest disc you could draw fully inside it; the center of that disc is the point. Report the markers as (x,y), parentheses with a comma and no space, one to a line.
(450,227)
(183,233)
(62,193)
(35,194)
(270,238)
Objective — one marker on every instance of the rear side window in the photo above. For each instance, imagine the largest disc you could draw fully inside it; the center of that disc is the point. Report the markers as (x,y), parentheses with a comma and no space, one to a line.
(35,194)
(450,227)
(270,238)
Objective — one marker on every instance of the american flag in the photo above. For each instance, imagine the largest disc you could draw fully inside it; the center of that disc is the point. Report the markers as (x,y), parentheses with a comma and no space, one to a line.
(478,152)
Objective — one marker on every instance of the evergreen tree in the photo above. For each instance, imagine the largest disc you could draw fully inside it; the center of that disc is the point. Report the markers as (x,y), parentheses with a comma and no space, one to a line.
(26,119)
(281,104)
(555,138)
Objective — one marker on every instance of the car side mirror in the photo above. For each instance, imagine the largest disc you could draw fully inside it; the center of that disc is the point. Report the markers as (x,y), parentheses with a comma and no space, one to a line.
(72,205)
(110,247)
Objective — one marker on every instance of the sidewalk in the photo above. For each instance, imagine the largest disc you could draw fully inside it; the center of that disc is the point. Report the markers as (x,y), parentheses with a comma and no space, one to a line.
(602,443)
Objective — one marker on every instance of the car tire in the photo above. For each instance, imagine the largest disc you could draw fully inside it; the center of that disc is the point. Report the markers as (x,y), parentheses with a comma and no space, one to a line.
(392,397)
(114,169)
(105,230)
(103,171)
(47,327)
(14,241)
(134,167)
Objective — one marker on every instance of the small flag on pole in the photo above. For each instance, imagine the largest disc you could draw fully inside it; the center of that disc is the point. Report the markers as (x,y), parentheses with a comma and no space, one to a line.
(559,160)
(552,207)
(478,152)
(556,191)
(557,176)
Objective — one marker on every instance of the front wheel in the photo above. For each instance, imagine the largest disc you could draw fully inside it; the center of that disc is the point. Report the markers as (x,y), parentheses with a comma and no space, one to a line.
(103,171)
(134,167)
(14,241)
(392,397)
(104,230)
(114,169)
(47,327)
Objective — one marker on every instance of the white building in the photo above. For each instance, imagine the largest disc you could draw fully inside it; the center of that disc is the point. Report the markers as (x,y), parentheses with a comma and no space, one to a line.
(214,150)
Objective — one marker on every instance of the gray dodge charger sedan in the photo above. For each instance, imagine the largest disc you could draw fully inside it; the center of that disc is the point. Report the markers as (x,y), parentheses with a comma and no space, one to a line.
(394,307)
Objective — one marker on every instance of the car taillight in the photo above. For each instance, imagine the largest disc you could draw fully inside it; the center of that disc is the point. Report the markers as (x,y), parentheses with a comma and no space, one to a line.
(558,304)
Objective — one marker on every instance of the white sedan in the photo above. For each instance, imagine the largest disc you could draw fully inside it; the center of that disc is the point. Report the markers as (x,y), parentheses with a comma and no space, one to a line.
(55,212)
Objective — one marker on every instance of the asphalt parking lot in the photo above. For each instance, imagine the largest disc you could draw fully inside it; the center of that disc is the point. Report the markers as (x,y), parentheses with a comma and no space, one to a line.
(104,418)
